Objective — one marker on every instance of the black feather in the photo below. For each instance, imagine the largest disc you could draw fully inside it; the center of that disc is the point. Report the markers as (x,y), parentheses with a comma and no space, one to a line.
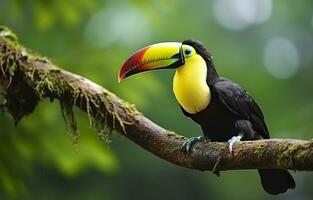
(233,111)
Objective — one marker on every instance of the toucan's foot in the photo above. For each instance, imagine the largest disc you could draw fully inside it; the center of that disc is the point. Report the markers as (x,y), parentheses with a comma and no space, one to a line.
(187,145)
(232,141)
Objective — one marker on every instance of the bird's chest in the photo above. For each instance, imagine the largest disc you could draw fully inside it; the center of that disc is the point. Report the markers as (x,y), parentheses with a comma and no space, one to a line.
(190,88)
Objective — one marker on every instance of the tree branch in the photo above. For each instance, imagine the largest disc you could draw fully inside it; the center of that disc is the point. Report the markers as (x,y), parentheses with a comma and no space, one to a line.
(27,78)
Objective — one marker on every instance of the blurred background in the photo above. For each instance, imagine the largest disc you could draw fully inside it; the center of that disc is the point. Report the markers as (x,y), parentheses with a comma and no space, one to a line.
(264,45)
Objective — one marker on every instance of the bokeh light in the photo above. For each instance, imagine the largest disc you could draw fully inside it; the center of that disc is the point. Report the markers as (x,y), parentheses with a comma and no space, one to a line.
(264,45)
(238,14)
(281,58)
(125,25)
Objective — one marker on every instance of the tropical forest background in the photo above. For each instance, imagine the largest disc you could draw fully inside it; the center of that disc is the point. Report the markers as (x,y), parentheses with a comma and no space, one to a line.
(265,45)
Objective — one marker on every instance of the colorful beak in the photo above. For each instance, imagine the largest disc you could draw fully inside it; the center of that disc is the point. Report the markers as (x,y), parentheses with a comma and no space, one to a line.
(166,55)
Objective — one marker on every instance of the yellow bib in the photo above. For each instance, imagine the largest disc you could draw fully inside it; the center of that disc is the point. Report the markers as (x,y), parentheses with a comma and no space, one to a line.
(190,87)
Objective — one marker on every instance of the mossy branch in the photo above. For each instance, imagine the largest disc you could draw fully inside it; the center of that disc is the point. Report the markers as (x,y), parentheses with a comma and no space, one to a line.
(26,78)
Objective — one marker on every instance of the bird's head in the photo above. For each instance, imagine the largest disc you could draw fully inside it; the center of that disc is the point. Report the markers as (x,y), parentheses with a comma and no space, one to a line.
(165,55)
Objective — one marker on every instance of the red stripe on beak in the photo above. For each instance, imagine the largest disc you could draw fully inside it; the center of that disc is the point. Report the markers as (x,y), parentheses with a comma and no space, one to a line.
(132,65)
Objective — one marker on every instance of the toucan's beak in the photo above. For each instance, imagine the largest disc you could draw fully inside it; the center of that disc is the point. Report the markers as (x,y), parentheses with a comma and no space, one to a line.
(166,55)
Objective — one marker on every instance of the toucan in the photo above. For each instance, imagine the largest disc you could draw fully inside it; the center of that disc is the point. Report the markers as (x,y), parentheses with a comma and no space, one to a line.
(224,110)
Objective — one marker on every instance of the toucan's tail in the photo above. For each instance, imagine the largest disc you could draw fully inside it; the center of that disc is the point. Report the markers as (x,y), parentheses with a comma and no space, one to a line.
(275,181)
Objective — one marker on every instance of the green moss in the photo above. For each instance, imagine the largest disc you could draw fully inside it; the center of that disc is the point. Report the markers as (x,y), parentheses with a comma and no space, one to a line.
(287,152)
(7,33)
(8,64)
(130,108)
(19,96)
(69,118)
(283,158)
(106,99)
(260,150)
(46,82)
(171,133)
(174,135)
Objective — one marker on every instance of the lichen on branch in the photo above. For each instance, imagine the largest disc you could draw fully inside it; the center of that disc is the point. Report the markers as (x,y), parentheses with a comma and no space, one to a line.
(26,78)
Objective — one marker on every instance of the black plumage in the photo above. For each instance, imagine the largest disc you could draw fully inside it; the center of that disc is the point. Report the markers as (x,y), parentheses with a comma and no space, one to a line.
(231,112)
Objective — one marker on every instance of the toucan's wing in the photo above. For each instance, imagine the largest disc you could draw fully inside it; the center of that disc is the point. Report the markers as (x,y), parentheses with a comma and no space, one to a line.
(239,102)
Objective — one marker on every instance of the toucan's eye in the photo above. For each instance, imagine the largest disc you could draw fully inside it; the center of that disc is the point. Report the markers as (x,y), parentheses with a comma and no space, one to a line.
(188,52)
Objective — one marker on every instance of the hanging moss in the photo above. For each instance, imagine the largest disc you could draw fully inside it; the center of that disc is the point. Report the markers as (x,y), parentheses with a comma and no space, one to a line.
(69,118)
(24,87)
(20,98)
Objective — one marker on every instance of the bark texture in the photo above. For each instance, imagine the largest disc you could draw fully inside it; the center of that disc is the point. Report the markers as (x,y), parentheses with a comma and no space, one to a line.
(26,78)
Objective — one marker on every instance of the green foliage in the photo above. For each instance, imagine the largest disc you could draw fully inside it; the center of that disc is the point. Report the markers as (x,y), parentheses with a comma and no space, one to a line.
(92,38)
(43,141)
(46,14)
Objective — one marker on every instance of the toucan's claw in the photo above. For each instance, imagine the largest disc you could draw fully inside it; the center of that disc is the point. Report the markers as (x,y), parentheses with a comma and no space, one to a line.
(186,147)
(232,141)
